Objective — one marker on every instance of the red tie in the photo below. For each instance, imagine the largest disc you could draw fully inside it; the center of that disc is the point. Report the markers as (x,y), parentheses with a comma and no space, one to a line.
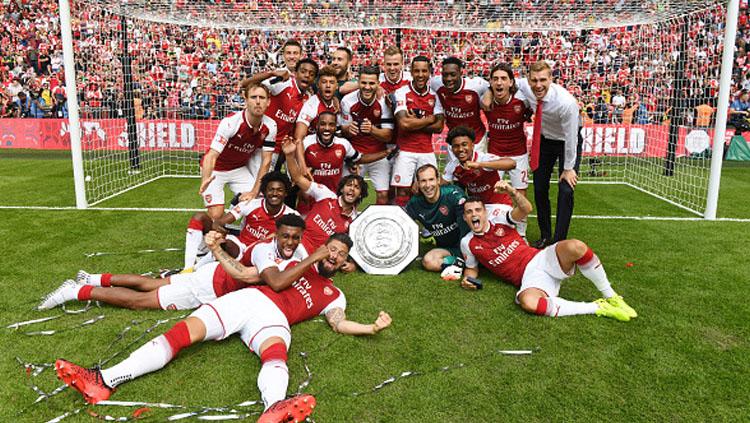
(537,138)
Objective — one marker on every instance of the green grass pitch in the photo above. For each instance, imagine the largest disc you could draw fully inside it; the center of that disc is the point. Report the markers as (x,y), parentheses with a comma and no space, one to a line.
(686,358)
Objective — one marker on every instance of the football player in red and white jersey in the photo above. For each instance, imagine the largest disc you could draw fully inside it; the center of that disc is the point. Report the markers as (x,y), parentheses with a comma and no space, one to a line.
(332,212)
(287,97)
(259,216)
(419,114)
(189,290)
(478,172)
(394,76)
(495,243)
(324,101)
(238,138)
(262,317)
(291,52)
(461,98)
(368,123)
(506,118)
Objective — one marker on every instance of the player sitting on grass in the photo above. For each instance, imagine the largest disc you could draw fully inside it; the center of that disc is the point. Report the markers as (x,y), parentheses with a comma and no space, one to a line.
(496,244)
(262,317)
(439,210)
(259,215)
(190,290)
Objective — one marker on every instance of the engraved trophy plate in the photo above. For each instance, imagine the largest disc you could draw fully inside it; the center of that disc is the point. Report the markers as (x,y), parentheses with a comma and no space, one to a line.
(385,239)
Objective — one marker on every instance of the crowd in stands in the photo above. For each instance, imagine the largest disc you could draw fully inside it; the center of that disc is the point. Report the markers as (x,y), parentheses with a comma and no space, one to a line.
(619,75)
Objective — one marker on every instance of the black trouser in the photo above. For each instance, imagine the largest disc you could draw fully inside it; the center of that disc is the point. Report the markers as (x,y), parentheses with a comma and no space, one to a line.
(549,152)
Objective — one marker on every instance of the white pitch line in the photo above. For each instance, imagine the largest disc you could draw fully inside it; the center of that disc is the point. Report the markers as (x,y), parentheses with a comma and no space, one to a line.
(184,210)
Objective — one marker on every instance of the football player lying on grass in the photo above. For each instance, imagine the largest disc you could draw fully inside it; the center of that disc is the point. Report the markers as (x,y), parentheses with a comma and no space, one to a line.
(262,317)
(538,274)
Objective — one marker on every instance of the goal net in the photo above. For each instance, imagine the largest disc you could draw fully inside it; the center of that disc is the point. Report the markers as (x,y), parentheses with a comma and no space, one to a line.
(154,78)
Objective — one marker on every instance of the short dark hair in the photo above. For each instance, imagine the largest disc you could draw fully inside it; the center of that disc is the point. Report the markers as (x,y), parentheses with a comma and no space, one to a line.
(293,220)
(422,58)
(275,176)
(341,237)
(309,61)
(362,186)
(291,43)
(460,131)
(326,112)
(347,51)
(507,68)
(453,60)
(370,70)
(473,199)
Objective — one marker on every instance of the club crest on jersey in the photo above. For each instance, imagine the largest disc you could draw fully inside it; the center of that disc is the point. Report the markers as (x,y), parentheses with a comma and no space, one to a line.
(499,231)
(397,178)
(222,140)
(431,102)
(208,198)
(338,154)
(444,210)
(376,112)
(517,108)
(327,291)
(468,98)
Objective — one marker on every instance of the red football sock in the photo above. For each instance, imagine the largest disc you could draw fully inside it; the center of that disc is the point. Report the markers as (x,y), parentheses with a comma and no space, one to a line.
(106,280)
(84,294)
(178,337)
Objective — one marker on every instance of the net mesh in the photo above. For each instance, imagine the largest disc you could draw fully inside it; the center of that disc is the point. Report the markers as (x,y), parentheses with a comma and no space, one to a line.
(645,74)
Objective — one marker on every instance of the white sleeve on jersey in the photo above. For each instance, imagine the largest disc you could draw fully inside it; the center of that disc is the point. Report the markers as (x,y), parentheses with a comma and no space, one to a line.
(469,259)
(339,302)
(386,118)
(244,208)
(437,109)
(399,97)
(524,92)
(500,213)
(278,87)
(478,85)
(309,111)
(449,169)
(269,144)
(436,82)
(345,117)
(224,132)
(320,192)
(351,153)
(264,256)
(308,141)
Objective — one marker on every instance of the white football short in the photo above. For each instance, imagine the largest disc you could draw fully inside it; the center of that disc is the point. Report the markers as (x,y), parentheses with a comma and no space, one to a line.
(247,312)
(379,172)
(519,177)
(189,290)
(239,180)
(544,272)
(406,165)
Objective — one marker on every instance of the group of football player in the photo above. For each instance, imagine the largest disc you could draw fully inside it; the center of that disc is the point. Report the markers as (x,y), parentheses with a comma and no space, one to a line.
(328,130)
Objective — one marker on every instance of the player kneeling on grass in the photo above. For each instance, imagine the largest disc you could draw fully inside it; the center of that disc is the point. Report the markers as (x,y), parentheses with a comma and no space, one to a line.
(494,242)
(259,264)
(261,317)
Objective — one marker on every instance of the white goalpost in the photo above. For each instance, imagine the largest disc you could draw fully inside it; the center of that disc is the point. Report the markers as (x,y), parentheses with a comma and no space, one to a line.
(149,81)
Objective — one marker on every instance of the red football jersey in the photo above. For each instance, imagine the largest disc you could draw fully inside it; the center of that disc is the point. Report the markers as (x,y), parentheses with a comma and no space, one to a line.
(325,218)
(327,163)
(311,110)
(507,136)
(306,298)
(462,107)
(424,104)
(258,224)
(235,140)
(391,86)
(353,109)
(478,182)
(500,249)
(286,102)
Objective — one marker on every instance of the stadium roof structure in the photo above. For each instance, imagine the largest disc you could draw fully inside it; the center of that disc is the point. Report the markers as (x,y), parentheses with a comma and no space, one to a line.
(464,16)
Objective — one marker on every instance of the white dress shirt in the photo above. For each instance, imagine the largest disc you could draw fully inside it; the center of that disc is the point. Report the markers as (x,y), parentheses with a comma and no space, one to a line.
(561,113)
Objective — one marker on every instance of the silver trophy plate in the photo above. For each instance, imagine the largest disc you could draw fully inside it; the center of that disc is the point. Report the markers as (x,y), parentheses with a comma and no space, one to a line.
(385,239)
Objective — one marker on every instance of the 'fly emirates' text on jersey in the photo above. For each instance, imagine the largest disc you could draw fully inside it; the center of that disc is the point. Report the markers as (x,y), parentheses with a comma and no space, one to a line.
(325,218)
(421,104)
(355,110)
(500,248)
(507,136)
(478,182)
(462,107)
(327,163)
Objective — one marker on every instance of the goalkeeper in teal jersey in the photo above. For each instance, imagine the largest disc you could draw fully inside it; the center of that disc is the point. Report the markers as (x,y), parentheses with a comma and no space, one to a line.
(440,210)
